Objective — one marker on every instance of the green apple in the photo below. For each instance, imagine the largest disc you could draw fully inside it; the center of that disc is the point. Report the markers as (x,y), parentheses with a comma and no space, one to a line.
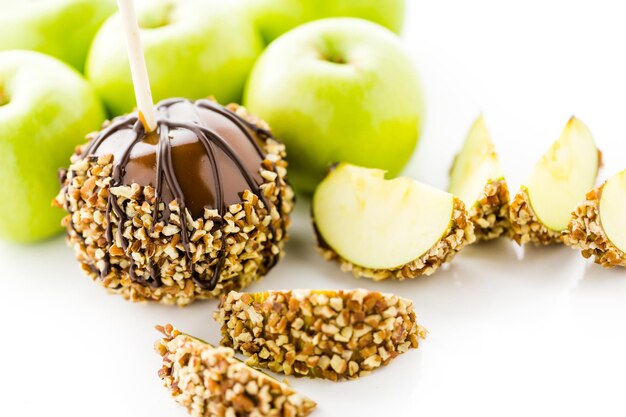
(338,89)
(46,109)
(193,49)
(61,28)
(275,17)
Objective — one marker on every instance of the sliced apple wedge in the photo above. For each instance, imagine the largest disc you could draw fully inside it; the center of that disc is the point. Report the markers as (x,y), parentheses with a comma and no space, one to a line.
(476,177)
(381,229)
(210,381)
(330,334)
(598,226)
(542,209)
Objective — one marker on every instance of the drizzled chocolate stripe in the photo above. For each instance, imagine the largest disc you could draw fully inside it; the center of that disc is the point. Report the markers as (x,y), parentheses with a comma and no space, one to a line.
(166,176)
(245,127)
(243,124)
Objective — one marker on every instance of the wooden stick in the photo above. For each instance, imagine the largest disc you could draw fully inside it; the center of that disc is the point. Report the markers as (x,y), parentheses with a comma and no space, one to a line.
(141,83)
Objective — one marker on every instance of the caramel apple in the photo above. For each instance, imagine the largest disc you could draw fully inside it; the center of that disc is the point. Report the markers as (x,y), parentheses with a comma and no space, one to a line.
(196,208)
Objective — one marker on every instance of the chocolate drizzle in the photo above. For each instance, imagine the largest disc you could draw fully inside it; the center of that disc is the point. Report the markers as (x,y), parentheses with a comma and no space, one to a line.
(195,123)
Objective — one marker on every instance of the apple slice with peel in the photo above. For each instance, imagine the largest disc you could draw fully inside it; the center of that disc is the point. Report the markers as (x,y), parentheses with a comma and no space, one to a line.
(542,209)
(315,330)
(210,381)
(476,177)
(382,229)
(598,226)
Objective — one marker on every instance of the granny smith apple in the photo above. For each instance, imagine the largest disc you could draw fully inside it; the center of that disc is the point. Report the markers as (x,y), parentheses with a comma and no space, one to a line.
(193,49)
(61,28)
(338,89)
(275,17)
(46,109)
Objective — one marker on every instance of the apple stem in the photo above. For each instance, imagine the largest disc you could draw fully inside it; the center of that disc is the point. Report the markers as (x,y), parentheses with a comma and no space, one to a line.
(139,72)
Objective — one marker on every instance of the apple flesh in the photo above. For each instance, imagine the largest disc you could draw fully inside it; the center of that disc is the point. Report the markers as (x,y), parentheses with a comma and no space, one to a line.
(598,225)
(46,109)
(563,176)
(476,177)
(476,164)
(193,49)
(559,181)
(338,89)
(376,223)
(275,17)
(43,26)
(387,228)
(613,210)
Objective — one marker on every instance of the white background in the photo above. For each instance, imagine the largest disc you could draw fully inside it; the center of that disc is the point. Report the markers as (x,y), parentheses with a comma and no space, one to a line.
(536,332)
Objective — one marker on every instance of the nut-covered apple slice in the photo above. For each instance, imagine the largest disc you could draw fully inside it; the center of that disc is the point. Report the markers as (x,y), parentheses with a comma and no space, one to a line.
(598,226)
(542,209)
(209,381)
(329,334)
(381,229)
(476,177)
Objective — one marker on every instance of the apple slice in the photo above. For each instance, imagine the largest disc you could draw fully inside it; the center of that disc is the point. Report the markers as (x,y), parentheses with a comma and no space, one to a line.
(542,209)
(330,334)
(210,381)
(598,226)
(381,229)
(476,177)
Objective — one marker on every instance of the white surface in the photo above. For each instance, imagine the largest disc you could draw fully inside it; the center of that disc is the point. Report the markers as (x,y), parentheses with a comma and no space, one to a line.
(541,334)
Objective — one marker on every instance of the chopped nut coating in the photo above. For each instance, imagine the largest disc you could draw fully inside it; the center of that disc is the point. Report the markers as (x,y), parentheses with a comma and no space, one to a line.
(585,232)
(334,335)
(211,382)
(526,226)
(490,214)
